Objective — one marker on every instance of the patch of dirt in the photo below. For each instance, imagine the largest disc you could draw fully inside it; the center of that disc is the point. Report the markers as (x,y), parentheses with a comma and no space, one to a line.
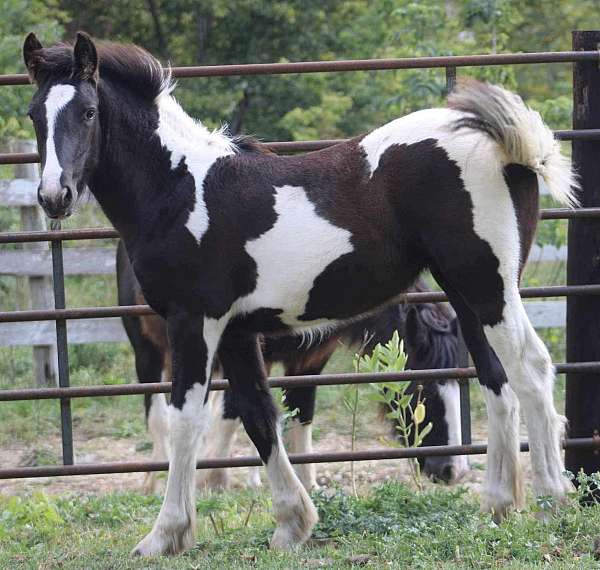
(108,449)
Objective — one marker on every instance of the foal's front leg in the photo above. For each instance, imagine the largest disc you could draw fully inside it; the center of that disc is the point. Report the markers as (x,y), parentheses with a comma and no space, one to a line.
(193,340)
(243,365)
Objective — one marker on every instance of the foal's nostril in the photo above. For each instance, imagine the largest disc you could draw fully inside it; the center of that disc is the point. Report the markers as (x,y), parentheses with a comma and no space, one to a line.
(447,473)
(66,196)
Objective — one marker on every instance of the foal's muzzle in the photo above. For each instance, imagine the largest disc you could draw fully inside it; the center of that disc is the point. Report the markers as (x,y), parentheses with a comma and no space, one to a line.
(57,203)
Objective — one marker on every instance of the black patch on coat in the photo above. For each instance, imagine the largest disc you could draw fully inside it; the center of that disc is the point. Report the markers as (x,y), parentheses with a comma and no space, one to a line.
(523,186)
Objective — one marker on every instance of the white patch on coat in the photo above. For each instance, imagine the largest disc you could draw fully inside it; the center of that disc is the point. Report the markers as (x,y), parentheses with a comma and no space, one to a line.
(174,529)
(291,255)
(57,99)
(299,438)
(413,128)
(191,141)
(450,395)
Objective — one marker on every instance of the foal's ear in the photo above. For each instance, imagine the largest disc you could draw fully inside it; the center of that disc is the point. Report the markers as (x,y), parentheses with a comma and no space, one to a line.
(85,58)
(30,46)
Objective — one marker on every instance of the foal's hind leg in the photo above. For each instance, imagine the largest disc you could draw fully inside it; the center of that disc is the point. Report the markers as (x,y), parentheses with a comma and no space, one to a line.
(504,485)
(224,423)
(531,374)
(294,512)
(193,340)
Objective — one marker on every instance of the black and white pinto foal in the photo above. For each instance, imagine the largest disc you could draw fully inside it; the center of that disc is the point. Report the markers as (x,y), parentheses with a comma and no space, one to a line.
(227,243)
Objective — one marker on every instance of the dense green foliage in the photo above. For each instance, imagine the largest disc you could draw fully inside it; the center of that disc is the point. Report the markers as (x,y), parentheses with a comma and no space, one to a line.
(312,105)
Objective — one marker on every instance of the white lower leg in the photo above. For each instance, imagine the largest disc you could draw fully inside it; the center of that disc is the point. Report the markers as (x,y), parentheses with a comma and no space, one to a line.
(531,375)
(294,512)
(175,527)
(216,443)
(158,428)
(253,480)
(299,438)
(504,482)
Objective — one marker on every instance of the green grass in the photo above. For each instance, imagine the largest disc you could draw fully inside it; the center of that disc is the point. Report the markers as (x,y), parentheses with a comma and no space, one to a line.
(391,526)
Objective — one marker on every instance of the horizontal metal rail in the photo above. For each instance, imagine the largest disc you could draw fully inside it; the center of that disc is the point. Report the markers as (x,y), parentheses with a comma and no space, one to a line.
(423,376)
(107,233)
(139,310)
(360,65)
(249,461)
(284,147)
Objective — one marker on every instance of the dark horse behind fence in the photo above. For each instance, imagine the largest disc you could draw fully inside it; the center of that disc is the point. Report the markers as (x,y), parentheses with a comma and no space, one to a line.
(228,242)
(430,337)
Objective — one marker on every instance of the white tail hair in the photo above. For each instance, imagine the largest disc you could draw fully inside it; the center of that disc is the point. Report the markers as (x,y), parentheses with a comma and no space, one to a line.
(520,131)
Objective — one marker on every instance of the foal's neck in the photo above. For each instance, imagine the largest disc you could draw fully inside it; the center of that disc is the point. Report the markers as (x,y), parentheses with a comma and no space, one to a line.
(148,148)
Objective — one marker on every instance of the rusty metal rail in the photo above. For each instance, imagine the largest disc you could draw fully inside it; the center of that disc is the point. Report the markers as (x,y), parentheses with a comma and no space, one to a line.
(139,310)
(108,233)
(250,461)
(422,376)
(360,65)
(285,147)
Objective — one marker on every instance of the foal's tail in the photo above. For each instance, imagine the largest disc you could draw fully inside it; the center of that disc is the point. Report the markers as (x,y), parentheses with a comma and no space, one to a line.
(519,130)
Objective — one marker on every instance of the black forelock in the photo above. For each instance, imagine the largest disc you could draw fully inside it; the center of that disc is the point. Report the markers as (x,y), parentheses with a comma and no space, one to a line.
(127,64)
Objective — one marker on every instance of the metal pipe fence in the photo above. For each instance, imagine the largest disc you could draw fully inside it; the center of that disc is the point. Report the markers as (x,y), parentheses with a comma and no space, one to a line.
(296,458)
(61,314)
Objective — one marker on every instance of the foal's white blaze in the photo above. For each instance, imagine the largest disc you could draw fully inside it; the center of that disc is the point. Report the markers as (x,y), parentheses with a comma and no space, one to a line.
(450,395)
(292,254)
(191,141)
(57,99)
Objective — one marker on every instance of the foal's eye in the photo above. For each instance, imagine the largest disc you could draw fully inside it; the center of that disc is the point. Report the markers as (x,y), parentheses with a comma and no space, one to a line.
(89,114)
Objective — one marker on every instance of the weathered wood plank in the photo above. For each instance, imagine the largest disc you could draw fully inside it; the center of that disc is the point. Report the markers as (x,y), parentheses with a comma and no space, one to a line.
(546,314)
(18,192)
(101,260)
(77,260)
(79,332)
(543,314)
(547,253)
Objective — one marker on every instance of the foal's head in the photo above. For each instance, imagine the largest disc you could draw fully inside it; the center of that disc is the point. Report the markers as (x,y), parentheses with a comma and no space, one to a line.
(64,111)
(431,340)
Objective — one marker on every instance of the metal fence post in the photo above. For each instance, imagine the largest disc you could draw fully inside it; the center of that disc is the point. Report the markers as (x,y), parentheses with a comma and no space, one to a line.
(58,278)
(583,264)
(463,353)
(45,363)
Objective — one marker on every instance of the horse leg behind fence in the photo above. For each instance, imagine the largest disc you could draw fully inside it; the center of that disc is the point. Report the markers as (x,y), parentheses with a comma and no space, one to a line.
(148,337)
(480,277)
(243,365)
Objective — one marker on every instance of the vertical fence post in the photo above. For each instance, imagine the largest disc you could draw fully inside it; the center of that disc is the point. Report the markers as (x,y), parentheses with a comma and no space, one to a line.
(45,364)
(58,277)
(463,353)
(583,264)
